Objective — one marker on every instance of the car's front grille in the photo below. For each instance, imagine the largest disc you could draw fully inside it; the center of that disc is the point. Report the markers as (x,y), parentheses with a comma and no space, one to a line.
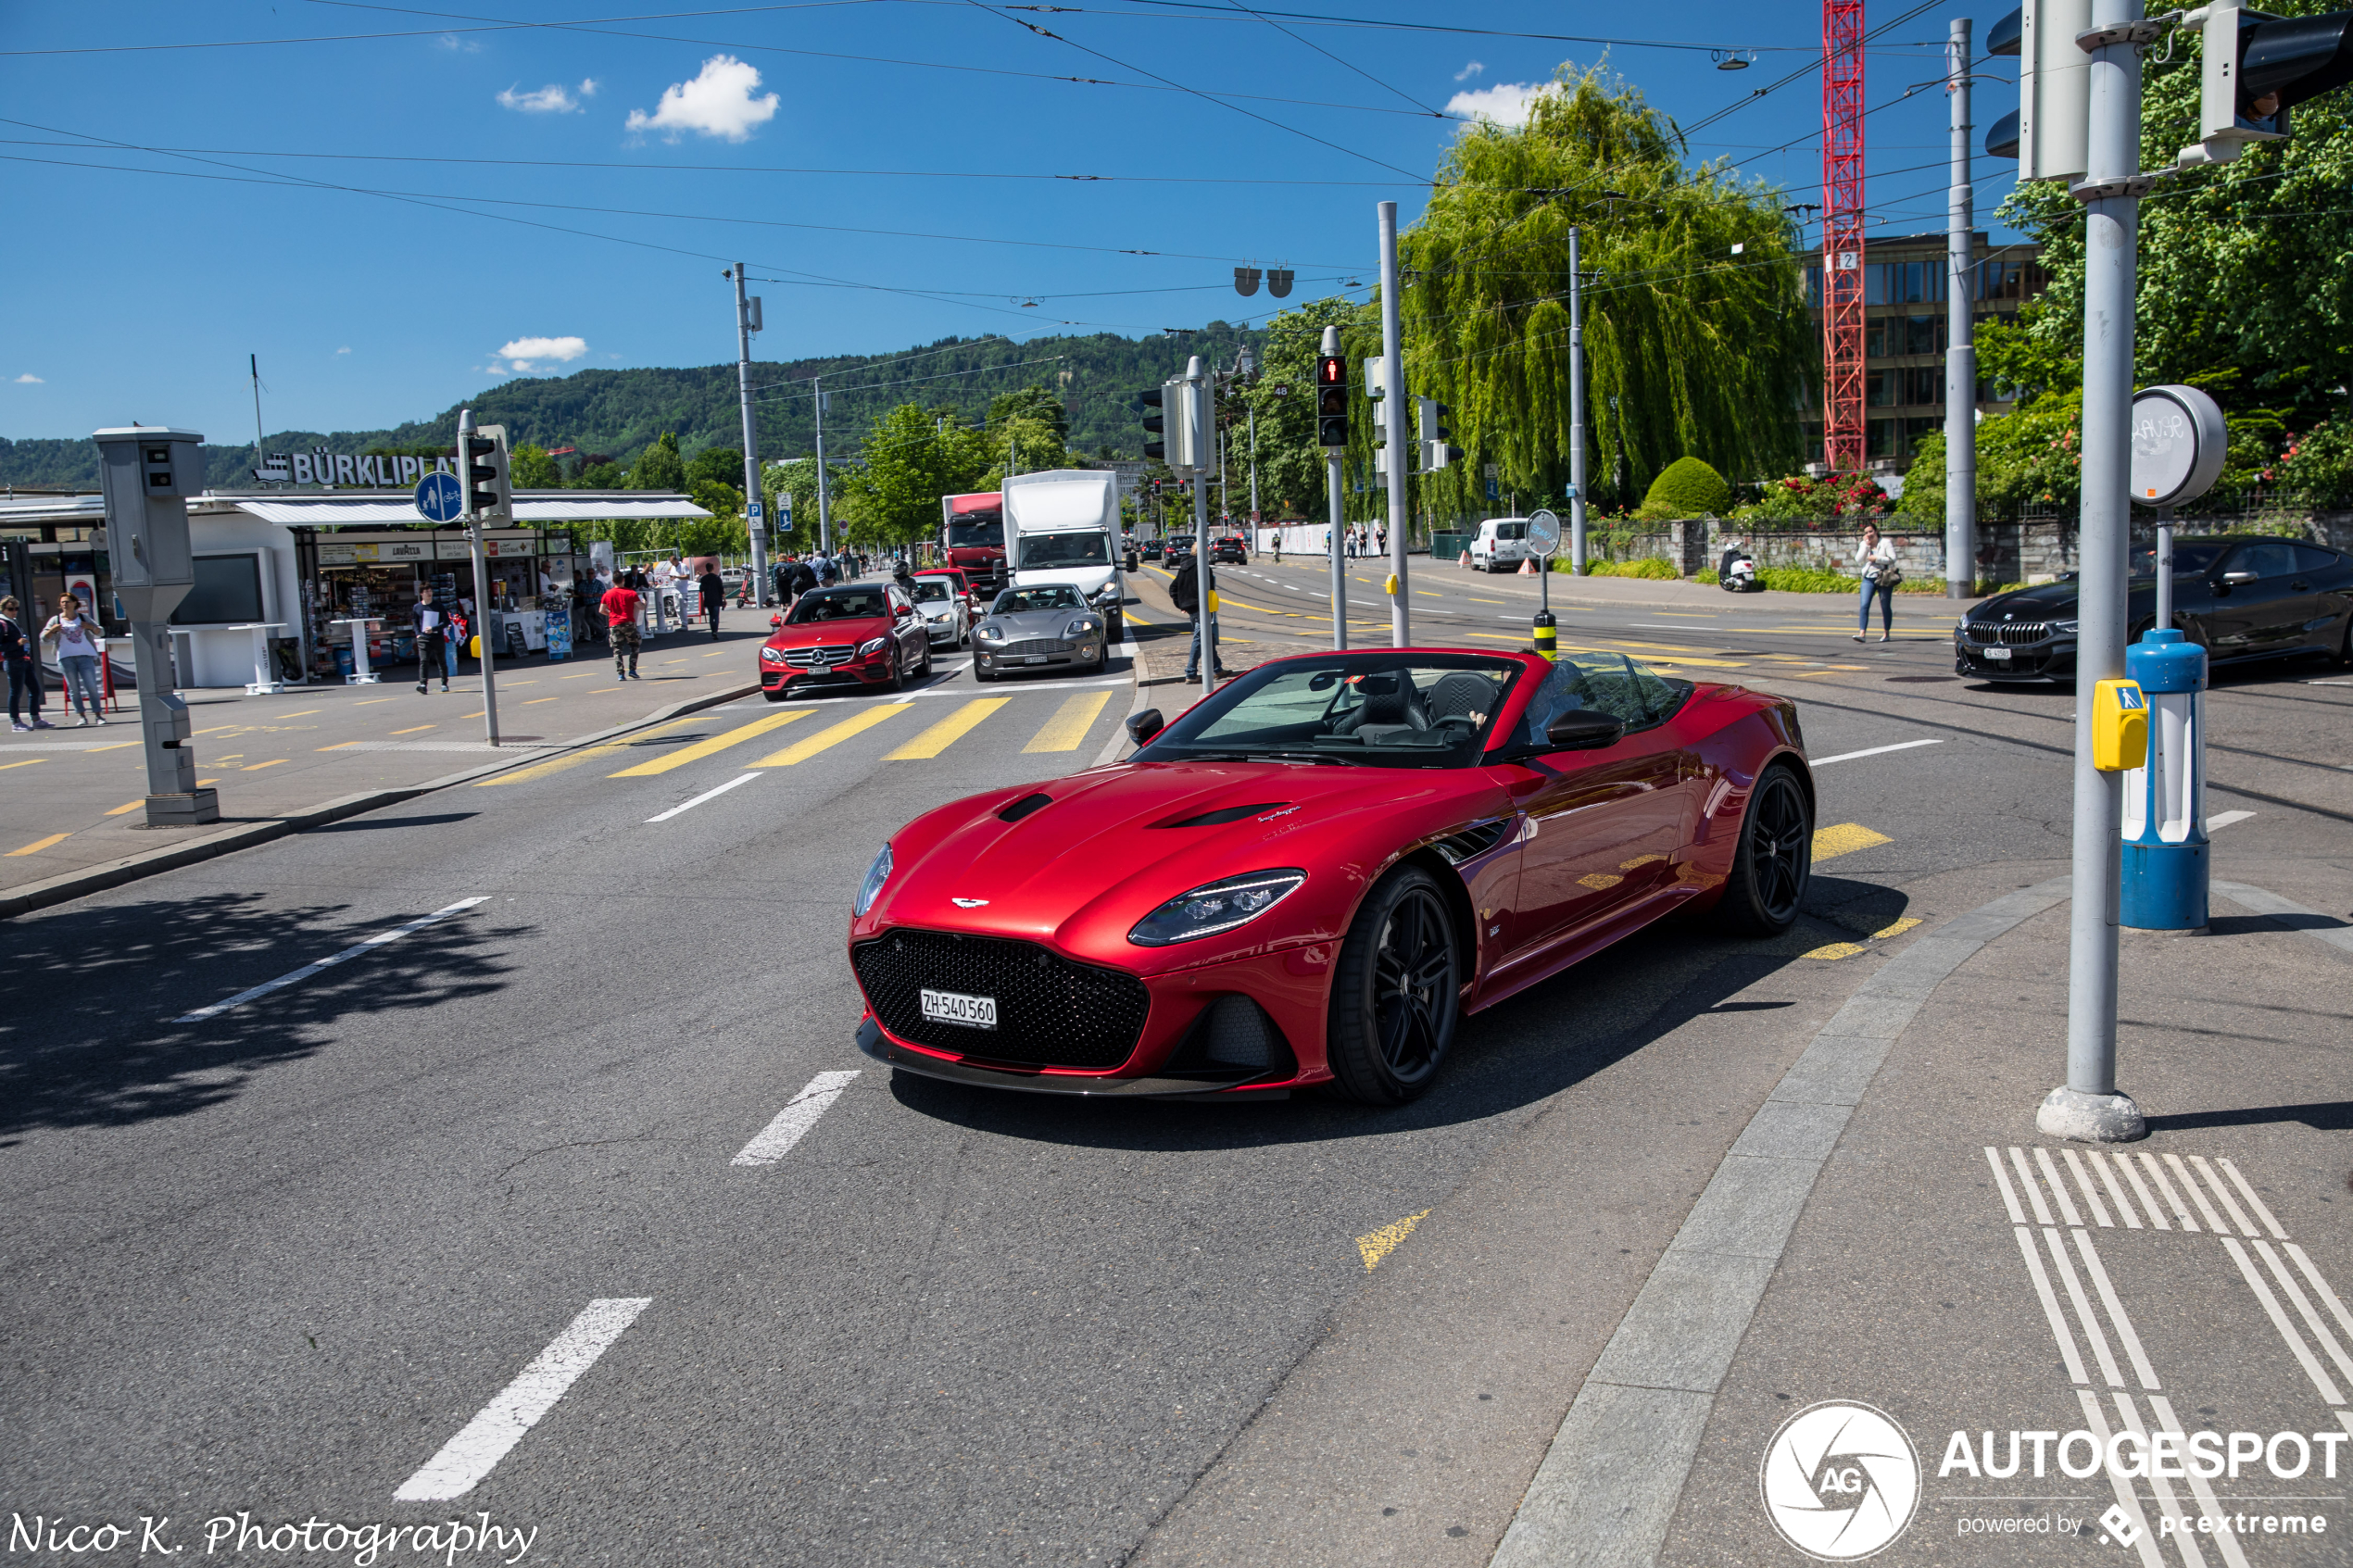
(1050,1013)
(1033,645)
(821,657)
(2006,633)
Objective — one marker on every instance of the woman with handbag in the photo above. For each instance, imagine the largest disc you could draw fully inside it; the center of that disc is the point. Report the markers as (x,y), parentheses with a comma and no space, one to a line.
(1881,574)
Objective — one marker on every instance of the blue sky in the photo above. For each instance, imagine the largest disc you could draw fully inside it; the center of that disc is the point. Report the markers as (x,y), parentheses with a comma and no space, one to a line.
(169,223)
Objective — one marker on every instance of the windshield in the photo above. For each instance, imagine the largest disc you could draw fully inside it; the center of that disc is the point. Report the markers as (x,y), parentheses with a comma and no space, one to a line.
(1045,552)
(1380,709)
(976,532)
(839,604)
(930,590)
(2189,561)
(1610,683)
(1054,596)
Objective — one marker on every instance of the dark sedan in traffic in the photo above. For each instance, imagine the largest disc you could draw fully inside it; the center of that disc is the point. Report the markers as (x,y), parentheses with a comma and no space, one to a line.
(2238,598)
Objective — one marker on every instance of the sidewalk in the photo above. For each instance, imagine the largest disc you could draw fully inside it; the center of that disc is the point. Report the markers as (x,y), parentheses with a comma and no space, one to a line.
(72,796)
(1642,593)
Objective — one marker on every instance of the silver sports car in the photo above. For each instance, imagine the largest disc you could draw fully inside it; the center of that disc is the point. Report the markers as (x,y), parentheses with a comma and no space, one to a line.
(1037,629)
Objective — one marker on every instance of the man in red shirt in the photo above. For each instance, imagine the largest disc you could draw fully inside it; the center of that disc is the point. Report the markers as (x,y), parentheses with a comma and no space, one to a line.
(620,612)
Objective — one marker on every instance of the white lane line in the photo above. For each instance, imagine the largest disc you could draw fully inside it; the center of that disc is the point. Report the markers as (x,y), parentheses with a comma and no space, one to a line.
(2144,1538)
(2091,1193)
(2116,1190)
(2189,1184)
(775,1140)
(1670,625)
(2058,1188)
(2060,1331)
(2157,1215)
(2084,1318)
(2002,1180)
(2230,1206)
(307,971)
(706,795)
(2304,1308)
(2125,1330)
(2288,1335)
(483,1441)
(2225,818)
(2172,1199)
(2225,1541)
(2033,1188)
(2167,1508)
(2252,1201)
(1874,751)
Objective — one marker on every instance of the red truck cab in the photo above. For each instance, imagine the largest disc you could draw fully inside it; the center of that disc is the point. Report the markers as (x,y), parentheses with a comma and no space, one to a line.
(973,531)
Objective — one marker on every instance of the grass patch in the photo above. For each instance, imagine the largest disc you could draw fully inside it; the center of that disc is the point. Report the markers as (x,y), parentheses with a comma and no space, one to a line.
(1656,568)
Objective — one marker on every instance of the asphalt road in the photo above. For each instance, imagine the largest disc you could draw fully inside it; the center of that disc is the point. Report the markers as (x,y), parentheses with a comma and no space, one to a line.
(346,1239)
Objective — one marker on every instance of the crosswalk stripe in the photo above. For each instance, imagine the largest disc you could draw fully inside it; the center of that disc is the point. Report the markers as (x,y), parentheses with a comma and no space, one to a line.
(1070,724)
(856,724)
(948,730)
(557,765)
(711,747)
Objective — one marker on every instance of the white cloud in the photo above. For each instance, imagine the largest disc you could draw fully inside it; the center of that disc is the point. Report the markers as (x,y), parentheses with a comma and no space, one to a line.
(1505,103)
(1468,71)
(554,98)
(450,41)
(719,102)
(344,350)
(28,379)
(523,354)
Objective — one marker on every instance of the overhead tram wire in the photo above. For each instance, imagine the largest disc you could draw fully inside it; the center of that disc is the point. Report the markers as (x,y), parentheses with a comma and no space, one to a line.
(1264,17)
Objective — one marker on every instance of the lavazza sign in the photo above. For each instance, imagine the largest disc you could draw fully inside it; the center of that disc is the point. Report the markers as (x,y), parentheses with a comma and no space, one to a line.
(322,466)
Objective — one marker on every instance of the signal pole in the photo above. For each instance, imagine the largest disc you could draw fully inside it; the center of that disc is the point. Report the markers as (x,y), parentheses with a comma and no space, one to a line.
(825,513)
(755,499)
(1201,416)
(1337,506)
(1576,419)
(1392,410)
(1960,336)
(482,576)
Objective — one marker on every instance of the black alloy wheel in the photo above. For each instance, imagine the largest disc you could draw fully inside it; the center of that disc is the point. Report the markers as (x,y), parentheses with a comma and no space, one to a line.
(1774,858)
(1397,993)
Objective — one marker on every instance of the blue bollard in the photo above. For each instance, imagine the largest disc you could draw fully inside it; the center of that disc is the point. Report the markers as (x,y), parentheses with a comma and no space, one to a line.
(2166,863)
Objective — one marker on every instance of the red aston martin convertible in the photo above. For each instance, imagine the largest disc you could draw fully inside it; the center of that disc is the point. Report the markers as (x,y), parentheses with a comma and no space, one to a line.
(1310,877)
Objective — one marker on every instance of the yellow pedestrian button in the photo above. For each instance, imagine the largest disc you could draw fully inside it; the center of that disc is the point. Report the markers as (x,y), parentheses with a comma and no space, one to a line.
(2119,726)
(1390,586)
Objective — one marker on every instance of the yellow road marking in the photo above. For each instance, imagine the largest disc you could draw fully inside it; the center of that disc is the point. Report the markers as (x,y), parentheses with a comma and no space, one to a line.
(231,758)
(375,699)
(1835,951)
(40,843)
(274,762)
(1139,620)
(543,699)
(1477,600)
(711,747)
(419,729)
(948,730)
(1069,725)
(1383,1242)
(299,712)
(206,783)
(26,764)
(857,723)
(1897,929)
(1843,839)
(558,764)
(477,713)
(132,806)
(716,652)
(582,676)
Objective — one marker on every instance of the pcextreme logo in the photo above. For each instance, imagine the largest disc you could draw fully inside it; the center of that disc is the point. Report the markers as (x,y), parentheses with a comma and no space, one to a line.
(1840,1481)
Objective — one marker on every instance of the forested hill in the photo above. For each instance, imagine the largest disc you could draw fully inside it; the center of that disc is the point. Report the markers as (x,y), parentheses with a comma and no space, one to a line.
(613,413)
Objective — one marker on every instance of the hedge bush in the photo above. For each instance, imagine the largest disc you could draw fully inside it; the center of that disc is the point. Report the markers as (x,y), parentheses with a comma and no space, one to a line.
(1687,488)
(1657,569)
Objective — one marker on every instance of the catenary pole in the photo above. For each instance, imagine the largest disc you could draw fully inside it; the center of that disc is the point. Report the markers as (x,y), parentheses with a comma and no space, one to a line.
(1200,417)
(1575,414)
(1960,335)
(1391,408)
(825,511)
(1337,504)
(2088,1107)
(753,493)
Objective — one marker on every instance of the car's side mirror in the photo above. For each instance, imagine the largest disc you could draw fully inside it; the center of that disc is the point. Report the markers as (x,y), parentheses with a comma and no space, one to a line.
(1585,729)
(1142,726)
(2232,578)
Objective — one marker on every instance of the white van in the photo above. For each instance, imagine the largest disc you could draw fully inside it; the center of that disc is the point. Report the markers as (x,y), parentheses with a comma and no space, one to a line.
(1500,544)
(1062,526)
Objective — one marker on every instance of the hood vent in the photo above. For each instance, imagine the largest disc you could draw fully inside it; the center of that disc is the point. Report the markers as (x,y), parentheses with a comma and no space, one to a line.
(1471,842)
(1227,814)
(1026,806)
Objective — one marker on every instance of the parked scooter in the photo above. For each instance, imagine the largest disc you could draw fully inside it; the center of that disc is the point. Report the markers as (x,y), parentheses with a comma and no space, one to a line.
(1736,573)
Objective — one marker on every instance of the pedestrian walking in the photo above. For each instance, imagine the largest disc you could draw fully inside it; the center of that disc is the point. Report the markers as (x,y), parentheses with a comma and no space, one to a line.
(714,594)
(1184,591)
(620,617)
(1880,576)
(76,639)
(1278,547)
(24,669)
(433,626)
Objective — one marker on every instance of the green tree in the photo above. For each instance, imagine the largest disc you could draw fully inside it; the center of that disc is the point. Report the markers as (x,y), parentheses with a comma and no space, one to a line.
(1032,402)
(1687,488)
(532,468)
(910,462)
(1693,327)
(724,464)
(1290,462)
(659,467)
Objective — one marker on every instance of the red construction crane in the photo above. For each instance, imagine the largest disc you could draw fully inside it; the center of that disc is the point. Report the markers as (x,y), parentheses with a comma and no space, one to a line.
(1843,236)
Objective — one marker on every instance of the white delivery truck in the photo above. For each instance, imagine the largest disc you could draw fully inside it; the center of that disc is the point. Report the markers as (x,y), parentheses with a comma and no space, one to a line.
(1062,526)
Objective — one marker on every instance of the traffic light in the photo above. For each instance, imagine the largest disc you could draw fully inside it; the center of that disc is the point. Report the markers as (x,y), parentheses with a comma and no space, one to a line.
(483,469)
(1154,425)
(2049,133)
(1431,419)
(1331,402)
(1377,388)
(1187,445)
(2256,68)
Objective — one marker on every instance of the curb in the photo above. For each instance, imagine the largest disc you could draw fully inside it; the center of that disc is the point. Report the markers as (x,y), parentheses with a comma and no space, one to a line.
(132,868)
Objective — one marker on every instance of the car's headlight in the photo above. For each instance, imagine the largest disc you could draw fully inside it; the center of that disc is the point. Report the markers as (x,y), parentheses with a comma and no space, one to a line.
(1081,627)
(771,655)
(1215,907)
(1107,594)
(873,646)
(876,874)
(2067,626)
(991,632)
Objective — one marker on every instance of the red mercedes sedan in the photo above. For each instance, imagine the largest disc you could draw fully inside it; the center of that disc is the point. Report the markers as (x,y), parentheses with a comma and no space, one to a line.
(1314,874)
(865,634)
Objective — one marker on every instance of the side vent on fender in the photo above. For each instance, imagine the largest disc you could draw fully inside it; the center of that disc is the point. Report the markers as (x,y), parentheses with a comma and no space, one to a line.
(1025,806)
(1221,817)
(1472,841)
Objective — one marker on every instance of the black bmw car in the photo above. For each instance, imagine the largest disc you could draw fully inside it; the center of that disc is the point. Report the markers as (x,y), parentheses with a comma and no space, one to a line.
(2238,598)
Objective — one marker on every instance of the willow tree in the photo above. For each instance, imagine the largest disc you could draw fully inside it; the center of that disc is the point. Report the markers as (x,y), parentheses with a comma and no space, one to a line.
(1696,337)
